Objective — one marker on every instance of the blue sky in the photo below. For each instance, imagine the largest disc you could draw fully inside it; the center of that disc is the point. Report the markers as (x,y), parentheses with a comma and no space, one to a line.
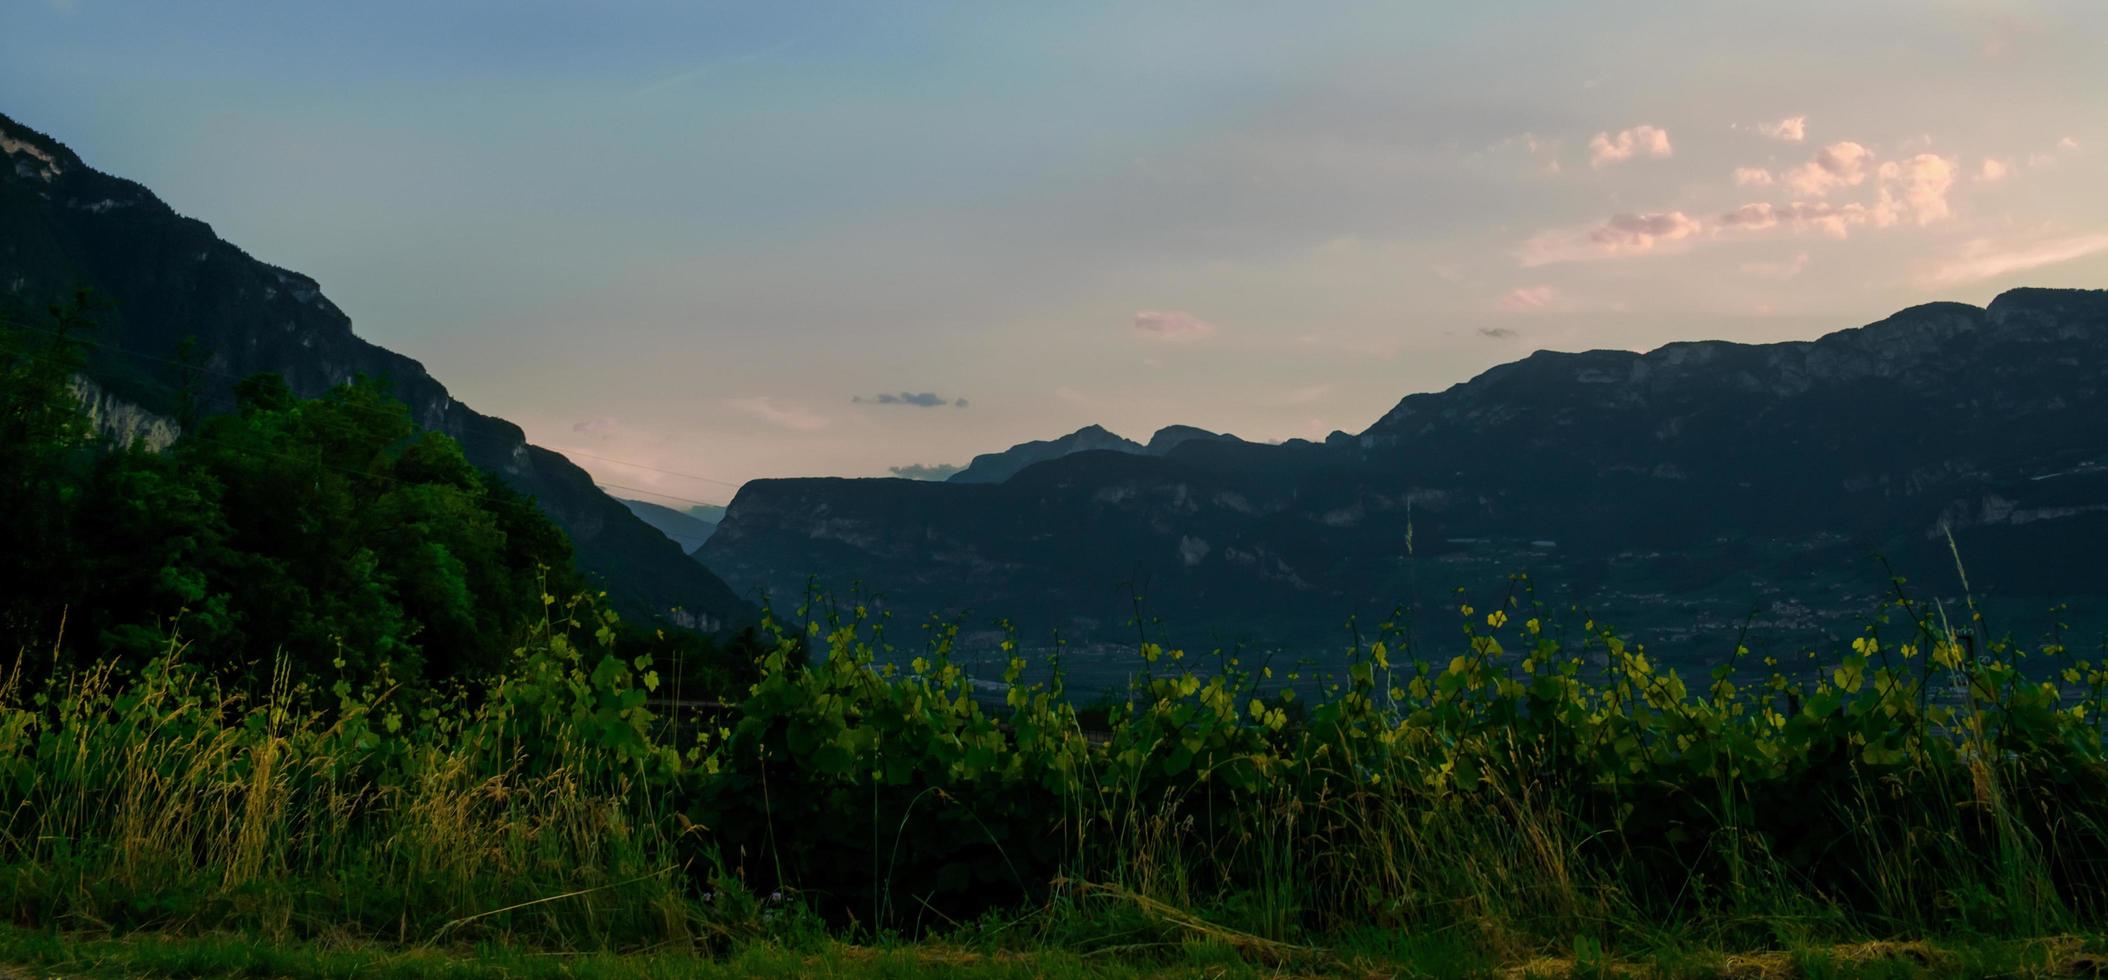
(706,237)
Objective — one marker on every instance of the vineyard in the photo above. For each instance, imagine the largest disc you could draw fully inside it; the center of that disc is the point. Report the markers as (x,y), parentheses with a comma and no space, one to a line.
(1532,790)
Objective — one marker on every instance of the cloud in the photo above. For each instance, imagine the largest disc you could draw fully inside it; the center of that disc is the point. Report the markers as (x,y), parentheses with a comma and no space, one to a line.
(1983,259)
(1171,325)
(1841,164)
(1622,235)
(1914,190)
(1752,177)
(600,428)
(1835,220)
(1751,217)
(1792,129)
(921,399)
(1992,170)
(1523,299)
(1498,333)
(1777,270)
(1923,181)
(1640,232)
(2042,159)
(1628,143)
(782,416)
(922,471)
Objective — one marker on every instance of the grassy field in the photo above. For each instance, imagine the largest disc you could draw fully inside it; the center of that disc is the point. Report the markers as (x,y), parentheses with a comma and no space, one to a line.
(1529,801)
(24,952)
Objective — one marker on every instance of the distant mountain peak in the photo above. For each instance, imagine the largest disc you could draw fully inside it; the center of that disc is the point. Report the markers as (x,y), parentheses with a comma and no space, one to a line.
(1172,436)
(997,467)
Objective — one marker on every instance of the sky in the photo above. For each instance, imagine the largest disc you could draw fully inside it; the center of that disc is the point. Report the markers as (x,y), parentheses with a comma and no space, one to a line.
(694,244)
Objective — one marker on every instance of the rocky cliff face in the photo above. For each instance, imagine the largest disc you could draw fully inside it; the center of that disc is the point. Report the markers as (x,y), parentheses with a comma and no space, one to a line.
(121,421)
(1684,486)
(164,278)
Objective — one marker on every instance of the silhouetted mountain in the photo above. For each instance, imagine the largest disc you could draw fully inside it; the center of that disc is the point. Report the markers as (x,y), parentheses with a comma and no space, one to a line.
(1173,436)
(686,529)
(1678,491)
(168,279)
(997,467)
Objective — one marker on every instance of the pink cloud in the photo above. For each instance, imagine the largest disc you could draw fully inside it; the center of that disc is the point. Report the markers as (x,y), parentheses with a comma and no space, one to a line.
(1651,141)
(1751,217)
(1841,164)
(1622,235)
(1526,298)
(1752,177)
(1171,325)
(1923,181)
(1640,232)
(1983,259)
(1834,220)
(1792,129)
(1992,171)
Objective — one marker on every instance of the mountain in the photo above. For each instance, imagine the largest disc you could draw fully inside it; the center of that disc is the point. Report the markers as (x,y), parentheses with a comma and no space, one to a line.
(1173,436)
(182,305)
(997,467)
(684,527)
(1682,492)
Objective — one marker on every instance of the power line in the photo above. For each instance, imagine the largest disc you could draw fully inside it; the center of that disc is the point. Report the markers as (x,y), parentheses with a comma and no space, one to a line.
(656,493)
(654,469)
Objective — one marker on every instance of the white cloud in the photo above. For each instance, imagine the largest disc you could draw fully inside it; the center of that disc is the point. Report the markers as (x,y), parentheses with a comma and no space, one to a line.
(1651,141)
(1983,259)
(1841,164)
(782,416)
(1992,171)
(1171,325)
(1523,299)
(1752,177)
(1792,129)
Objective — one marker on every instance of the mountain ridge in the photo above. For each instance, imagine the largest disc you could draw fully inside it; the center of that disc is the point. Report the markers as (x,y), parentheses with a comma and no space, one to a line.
(1662,474)
(167,277)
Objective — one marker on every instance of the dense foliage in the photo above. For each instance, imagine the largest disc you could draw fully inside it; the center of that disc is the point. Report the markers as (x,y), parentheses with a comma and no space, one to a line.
(329,531)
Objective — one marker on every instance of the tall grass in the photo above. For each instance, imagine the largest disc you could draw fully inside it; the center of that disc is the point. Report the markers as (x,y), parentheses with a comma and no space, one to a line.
(156,799)
(1515,794)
